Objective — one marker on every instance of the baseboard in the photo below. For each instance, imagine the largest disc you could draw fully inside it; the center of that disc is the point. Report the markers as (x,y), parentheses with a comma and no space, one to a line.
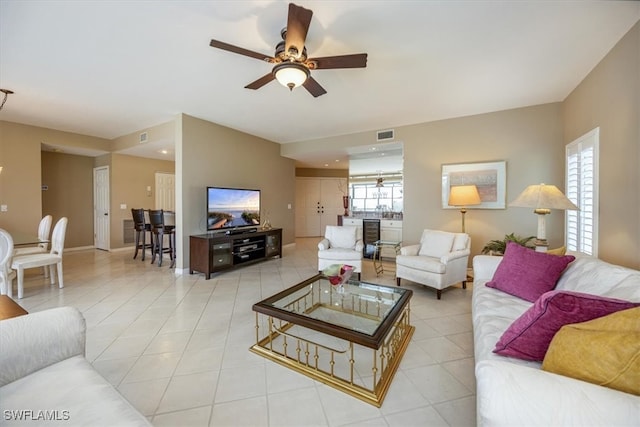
(122,249)
(78,248)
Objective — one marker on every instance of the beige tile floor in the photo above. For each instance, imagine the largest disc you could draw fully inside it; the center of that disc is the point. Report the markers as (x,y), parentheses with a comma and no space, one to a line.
(177,346)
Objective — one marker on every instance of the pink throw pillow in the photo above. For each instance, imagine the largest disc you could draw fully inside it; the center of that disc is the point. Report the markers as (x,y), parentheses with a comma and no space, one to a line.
(529,336)
(526,273)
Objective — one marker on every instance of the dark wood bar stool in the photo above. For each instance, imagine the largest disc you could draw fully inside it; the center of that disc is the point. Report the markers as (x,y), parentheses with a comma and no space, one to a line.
(141,227)
(159,230)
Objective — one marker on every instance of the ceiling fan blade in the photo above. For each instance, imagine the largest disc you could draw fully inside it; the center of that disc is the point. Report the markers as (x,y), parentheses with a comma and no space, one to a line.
(356,60)
(260,82)
(313,87)
(297,26)
(241,51)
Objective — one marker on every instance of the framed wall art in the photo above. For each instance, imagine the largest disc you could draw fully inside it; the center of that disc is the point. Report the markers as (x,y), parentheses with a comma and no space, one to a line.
(489,177)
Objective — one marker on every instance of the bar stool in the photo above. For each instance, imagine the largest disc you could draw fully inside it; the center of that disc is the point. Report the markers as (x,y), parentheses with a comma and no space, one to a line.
(159,230)
(141,227)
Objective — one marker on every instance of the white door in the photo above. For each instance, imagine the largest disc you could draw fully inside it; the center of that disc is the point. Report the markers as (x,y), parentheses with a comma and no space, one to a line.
(308,207)
(101,208)
(165,191)
(331,199)
(318,204)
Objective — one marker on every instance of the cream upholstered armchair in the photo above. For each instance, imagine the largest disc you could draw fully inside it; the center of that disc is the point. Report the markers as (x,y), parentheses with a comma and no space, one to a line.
(341,245)
(438,261)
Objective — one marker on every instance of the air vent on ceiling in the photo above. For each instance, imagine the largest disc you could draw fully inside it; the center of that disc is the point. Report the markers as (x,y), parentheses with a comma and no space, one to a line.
(384,135)
(143,137)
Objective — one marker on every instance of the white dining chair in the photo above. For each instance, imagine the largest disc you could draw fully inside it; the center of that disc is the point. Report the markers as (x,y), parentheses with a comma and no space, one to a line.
(51,259)
(43,235)
(6,253)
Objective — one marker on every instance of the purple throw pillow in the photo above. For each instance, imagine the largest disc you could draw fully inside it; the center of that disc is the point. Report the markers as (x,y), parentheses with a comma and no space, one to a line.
(526,273)
(529,336)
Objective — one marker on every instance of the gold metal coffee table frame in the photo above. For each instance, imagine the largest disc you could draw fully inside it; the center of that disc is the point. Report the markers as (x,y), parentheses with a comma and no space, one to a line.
(350,338)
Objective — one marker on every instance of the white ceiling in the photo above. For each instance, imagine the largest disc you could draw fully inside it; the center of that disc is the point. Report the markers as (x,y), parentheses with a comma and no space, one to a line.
(109,68)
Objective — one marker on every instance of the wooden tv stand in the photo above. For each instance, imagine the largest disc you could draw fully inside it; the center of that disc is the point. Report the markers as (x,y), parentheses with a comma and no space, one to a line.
(213,252)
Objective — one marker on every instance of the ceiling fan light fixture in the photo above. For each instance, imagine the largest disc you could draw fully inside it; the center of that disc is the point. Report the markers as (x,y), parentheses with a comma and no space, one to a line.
(291,74)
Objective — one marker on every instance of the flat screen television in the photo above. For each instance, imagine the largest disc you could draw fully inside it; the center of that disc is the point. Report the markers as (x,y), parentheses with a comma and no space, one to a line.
(229,208)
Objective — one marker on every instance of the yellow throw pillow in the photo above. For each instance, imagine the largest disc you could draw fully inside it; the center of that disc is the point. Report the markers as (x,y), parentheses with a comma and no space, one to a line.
(557,251)
(603,351)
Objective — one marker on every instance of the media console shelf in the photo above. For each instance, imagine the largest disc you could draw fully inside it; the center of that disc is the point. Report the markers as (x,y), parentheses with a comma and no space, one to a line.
(213,252)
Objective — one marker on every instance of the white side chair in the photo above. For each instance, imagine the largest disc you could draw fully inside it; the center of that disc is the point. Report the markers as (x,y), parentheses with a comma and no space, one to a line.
(43,235)
(51,259)
(341,245)
(439,261)
(6,253)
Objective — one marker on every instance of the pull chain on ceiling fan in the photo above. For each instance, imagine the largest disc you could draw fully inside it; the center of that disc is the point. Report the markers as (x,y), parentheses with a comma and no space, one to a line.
(292,66)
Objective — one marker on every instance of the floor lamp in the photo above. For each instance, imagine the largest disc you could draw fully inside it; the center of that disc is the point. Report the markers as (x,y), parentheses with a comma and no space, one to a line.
(462,196)
(542,198)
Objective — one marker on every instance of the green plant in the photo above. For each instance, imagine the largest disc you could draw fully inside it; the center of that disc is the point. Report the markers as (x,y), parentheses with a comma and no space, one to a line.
(497,247)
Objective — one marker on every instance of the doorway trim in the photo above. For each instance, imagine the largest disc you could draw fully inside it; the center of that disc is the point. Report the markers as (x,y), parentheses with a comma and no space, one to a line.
(101,208)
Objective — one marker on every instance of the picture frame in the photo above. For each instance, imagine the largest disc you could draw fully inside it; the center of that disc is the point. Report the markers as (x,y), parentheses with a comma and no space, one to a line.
(489,177)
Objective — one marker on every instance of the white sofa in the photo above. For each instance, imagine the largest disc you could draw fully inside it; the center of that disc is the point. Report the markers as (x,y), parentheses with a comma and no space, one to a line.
(45,378)
(513,392)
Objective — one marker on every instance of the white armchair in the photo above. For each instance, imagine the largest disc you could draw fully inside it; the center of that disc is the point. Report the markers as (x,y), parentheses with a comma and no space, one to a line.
(438,261)
(341,245)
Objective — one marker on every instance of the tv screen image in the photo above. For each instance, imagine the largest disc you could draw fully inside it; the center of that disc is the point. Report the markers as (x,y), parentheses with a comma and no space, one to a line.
(232,207)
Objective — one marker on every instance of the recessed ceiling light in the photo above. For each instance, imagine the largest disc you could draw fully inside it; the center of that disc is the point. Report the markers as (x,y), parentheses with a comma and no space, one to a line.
(326,164)
(337,160)
(164,152)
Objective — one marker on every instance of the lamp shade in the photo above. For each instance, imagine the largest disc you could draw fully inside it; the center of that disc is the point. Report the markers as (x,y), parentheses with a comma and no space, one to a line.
(464,195)
(291,74)
(543,196)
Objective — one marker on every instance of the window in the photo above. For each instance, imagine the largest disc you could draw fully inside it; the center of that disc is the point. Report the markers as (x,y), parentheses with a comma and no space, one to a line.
(582,189)
(367,198)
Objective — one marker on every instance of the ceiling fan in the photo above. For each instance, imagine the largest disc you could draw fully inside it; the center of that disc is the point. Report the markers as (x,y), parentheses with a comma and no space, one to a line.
(292,65)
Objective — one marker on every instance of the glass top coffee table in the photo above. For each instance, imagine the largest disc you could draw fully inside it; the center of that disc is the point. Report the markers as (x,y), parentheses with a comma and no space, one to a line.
(351,337)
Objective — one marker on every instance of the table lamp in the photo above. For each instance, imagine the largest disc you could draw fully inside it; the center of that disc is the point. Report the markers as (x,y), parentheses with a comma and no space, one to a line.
(542,198)
(463,196)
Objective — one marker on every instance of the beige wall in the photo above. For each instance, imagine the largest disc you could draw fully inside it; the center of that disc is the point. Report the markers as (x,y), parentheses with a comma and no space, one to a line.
(129,177)
(528,139)
(70,181)
(208,154)
(69,193)
(164,132)
(609,98)
(21,178)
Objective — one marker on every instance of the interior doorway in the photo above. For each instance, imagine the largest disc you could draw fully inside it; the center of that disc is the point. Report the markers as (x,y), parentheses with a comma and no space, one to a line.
(101,208)
(166,191)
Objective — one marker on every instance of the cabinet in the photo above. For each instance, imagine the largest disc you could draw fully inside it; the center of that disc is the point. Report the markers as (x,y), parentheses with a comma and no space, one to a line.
(353,221)
(388,229)
(213,252)
(318,202)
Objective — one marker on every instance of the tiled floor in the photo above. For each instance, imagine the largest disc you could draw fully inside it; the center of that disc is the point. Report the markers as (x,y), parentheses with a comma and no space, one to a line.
(177,346)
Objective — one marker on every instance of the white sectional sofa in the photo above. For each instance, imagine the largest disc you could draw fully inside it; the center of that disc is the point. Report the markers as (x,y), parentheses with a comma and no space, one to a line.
(514,392)
(46,380)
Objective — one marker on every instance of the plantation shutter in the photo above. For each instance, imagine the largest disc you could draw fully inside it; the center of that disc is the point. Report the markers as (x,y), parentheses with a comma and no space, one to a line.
(582,189)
